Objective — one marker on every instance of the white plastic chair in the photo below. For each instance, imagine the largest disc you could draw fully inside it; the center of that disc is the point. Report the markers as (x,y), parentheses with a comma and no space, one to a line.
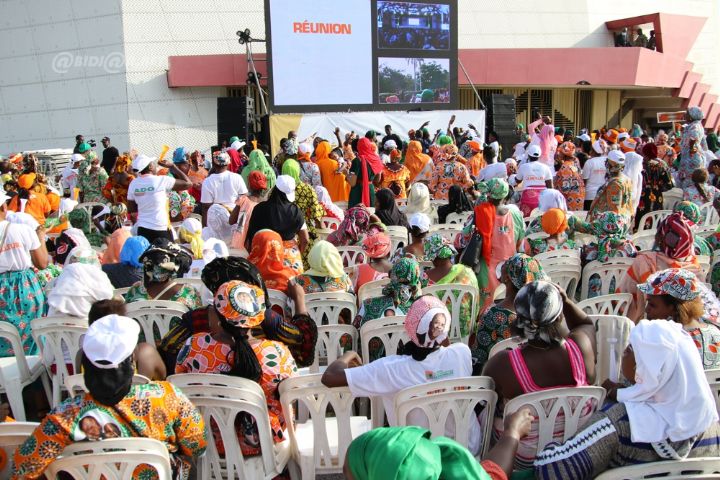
(452,294)
(88,207)
(701,467)
(652,220)
(671,197)
(579,214)
(220,398)
(371,289)
(120,292)
(329,223)
(611,338)
(644,240)
(537,236)
(19,371)
(704,261)
(325,308)
(12,435)
(507,344)
(155,314)
(454,398)
(446,230)
(500,292)
(713,376)
(114,458)
(319,445)
(323,233)
(567,276)
(613,269)
(75,384)
(613,304)
(708,214)
(458,218)
(548,404)
(558,256)
(279,299)
(343,205)
(352,255)
(59,340)
(329,347)
(398,236)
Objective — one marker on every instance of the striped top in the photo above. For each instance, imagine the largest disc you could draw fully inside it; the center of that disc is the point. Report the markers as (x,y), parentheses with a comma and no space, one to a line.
(528,385)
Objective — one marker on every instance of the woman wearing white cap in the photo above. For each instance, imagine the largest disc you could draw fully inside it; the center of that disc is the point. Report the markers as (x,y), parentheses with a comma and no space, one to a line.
(616,195)
(148,196)
(594,171)
(419,229)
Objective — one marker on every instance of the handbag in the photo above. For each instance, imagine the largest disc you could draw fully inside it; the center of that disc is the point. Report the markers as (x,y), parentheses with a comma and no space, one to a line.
(472,254)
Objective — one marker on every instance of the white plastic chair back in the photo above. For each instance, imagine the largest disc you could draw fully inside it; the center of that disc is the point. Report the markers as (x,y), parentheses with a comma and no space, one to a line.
(558,255)
(537,236)
(579,214)
(611,338)
(507,344)
(342,205)
(12,435)
(708,214)
(671,197)
(454,398)
(452,294)
(279,299)
(704,261)
(319,445)
(58,337)
(713,376)
(649,222)
(548,404)
(329,344)
(75,384)
(701,467)
(371,289)
(352,255)
(398,236)
(613,269)
(120,292)
(447,230)
(89,206)
(458,218)
(582,239)
(323,233)
(499,293)
(567,276)
(114,458)
(644,240)
(195,282)
(220,398)
(614,304)
(154,316)
(705,231)
(325,308)
(329,223)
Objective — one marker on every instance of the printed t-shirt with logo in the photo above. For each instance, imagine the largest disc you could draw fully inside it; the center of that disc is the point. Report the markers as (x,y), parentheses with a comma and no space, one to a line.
(15,252)
(150,193)
(594,175)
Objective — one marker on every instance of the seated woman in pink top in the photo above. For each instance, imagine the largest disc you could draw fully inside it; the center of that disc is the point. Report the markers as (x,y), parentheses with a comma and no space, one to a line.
(558,352)
(377,248)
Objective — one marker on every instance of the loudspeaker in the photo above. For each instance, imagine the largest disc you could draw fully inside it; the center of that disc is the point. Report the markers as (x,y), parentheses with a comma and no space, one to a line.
(234,117)
(502,120)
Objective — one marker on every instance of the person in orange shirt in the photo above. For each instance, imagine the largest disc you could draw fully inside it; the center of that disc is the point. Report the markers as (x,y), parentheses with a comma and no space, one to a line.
(476,161)
(330,175)
(35,204)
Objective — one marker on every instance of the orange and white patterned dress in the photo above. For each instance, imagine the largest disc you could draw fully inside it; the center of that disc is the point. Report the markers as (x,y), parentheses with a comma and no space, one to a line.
(203,354)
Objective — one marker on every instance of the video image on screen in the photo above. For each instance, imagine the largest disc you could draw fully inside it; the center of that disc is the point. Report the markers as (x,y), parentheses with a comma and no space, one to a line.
(413,80)
(407,25)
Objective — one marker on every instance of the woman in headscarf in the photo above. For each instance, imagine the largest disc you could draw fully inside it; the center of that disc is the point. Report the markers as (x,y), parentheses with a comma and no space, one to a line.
(357,224)
(273,260)
(280,214)
(495,323)
(664,151)
(500,228)
(116,188)
(309,171)
(331,173)
(326,272)
(181,203)
(693,217)
(634,171)
(92,179)
(377,249)
(674,248)
(557,333)
(129,269)
(448,171)
(80,218)
(616,194)
(568,179)
(69,239)
(229,348)
(656,181)
(395,176)
(418,201)
(698,190)
(190,233)
(387,210)
(27,200)
(548,145)
(244,206)
(613,238)
(667,413)
(258,163)
(197,174)
(420,165)
(81,283)
(554,222)
(162,263)
(419,230)
(692,146)
(362,173)
(551,198)
(22,298)
(441,253)
(331,210)
(117,234)
(458,202)
(307,201)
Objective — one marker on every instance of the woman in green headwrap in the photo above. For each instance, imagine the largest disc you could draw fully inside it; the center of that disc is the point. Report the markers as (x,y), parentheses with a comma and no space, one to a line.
(307,201)
(92,178)
(713,143)
(80,218)
(258,162)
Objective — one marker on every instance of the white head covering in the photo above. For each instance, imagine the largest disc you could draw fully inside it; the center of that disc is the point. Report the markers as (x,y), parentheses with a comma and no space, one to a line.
(324,198)
(633,170)
(218,224)
(213,249)
(418,200)
(671,397)
(551,198)
(77,288)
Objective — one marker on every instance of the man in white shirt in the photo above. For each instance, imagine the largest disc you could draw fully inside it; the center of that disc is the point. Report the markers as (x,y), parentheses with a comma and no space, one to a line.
(223,187)
(493,169)
(148,196)
(594,173)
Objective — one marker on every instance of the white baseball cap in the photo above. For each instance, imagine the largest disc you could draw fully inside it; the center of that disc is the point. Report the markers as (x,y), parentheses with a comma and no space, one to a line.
(305,148)
(534,151)
(141,162)
(585,137)
(110,340)
(390,144)
(421,221)
(617,156)
(286,184)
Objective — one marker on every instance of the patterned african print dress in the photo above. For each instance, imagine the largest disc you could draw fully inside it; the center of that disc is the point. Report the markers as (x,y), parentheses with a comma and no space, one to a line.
(570,182)
(204,354)
(187,295)
(313,211)
(464,276)
(492,328)
(92,186)
(313,284)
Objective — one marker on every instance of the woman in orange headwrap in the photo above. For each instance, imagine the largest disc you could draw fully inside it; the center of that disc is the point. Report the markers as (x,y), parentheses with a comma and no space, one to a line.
(555,223)
(476,162)
(116,188)
(419,164)
(568,179)
(332,179)
(28,201)
(268,254)
(395,176)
